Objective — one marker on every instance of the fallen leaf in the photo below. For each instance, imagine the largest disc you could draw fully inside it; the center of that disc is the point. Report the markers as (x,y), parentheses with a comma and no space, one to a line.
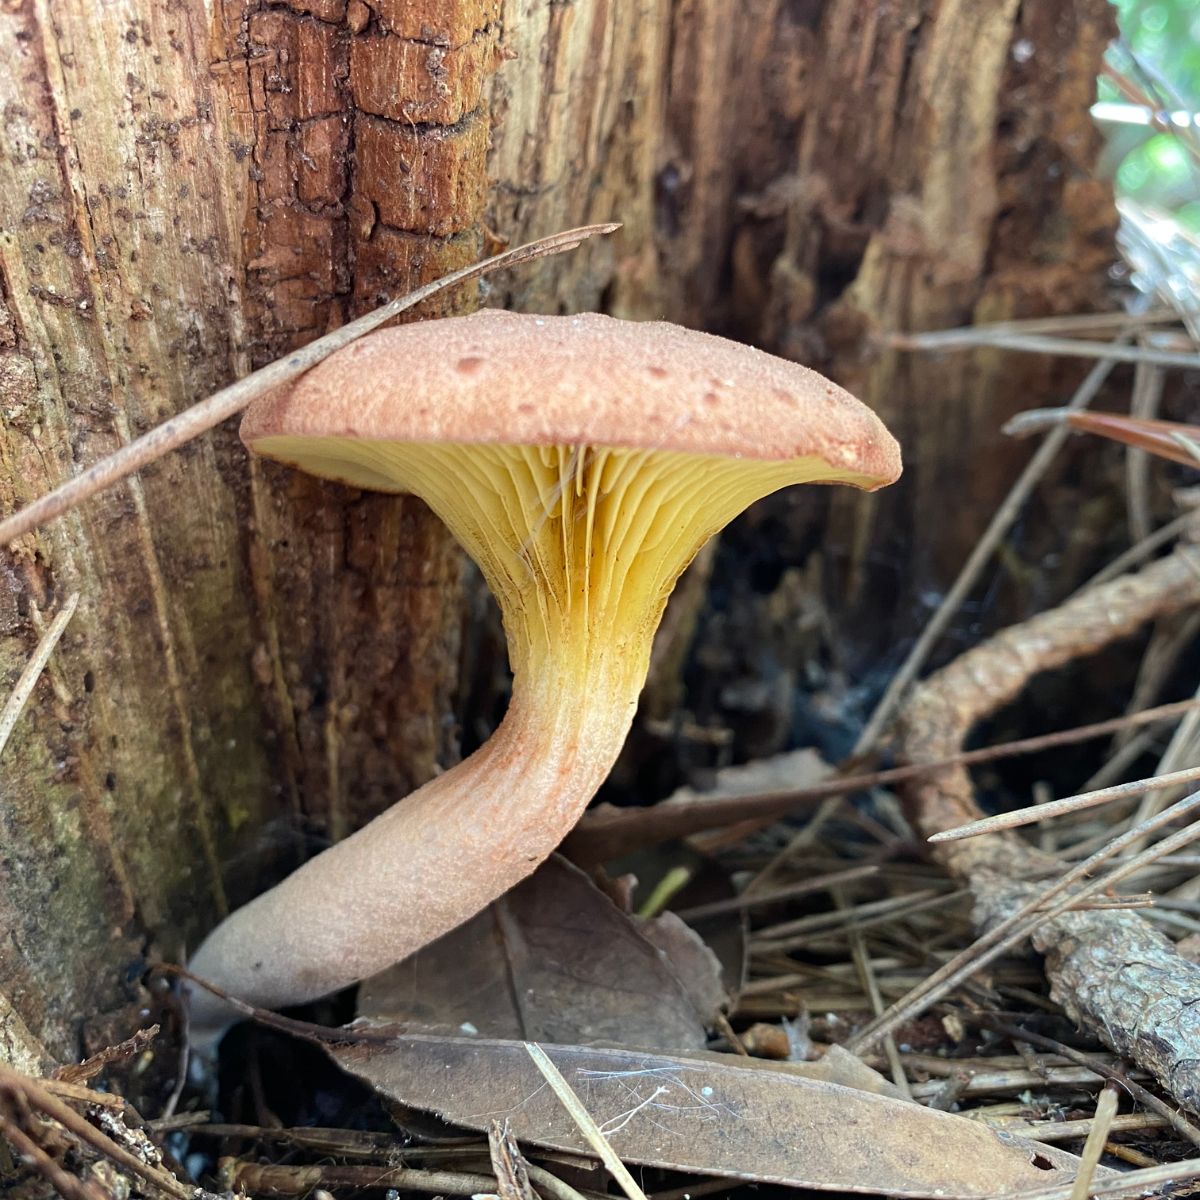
(711,1114)
(692,962)
(724,933)
(555,960)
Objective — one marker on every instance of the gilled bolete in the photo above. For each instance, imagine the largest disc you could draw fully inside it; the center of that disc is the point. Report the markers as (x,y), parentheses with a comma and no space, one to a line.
(581,462)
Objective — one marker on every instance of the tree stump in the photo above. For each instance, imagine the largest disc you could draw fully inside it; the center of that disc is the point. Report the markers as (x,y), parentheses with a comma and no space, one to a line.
(260,662)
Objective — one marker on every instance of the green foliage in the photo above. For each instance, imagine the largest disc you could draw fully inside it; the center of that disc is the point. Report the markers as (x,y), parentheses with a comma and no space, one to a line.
(1165,35)
(1157,168)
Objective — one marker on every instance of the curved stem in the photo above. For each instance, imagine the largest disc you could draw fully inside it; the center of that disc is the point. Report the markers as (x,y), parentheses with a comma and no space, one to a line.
(434,859)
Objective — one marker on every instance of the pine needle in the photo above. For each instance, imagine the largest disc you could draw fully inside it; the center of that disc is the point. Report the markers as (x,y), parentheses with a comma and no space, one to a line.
(1069,804)
(33,669)
(587,1126)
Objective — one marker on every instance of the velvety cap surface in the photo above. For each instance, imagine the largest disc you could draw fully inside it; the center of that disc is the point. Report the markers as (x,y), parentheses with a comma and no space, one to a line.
(501,377)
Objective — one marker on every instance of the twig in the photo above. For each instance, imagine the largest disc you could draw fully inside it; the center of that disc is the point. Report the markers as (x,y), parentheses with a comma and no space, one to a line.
(340,1143)
(201,417)
(299,1180)
(1107,903)
(997,528)
(320,1035)
(272,1179)
(1110,970)
(987,1082)
(1074,1130)
(15,1085)
(184,1120)
(63,1182)
(607,832)
(945,708)
(587,1126)
(508,1164)
(1069,804)
(553,1186)
(549,1186)
(19,697)
(1142,1095)
(121,1052)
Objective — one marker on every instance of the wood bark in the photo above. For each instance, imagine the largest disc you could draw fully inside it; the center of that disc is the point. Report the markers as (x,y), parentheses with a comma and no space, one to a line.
(879,168)
(259,661)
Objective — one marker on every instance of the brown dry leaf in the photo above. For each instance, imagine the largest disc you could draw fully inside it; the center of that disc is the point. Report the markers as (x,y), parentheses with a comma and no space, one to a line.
(712,1114)
(695,966)
(554,960)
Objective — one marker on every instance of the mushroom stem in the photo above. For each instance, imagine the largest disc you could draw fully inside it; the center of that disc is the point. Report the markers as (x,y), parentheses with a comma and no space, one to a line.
(434,859)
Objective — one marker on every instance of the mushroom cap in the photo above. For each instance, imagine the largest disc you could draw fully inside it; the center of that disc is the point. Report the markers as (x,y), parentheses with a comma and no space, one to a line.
(517,379)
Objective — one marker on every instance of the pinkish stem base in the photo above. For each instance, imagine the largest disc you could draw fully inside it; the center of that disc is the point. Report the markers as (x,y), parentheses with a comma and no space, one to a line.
(427,864)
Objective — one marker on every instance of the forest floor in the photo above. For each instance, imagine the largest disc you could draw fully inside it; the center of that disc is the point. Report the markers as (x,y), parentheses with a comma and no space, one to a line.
(779,981)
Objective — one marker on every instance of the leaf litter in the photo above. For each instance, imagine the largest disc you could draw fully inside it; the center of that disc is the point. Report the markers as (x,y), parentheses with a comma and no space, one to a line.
(710,1114)
(557,960)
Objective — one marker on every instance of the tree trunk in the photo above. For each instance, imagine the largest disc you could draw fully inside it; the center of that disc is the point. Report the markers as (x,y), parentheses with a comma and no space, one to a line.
(258,661)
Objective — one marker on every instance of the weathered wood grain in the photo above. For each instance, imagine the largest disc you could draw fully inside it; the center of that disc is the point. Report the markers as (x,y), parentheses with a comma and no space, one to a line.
(257,660)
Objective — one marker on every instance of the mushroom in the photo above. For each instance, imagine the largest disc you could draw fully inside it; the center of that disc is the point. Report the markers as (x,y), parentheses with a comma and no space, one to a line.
(581,462)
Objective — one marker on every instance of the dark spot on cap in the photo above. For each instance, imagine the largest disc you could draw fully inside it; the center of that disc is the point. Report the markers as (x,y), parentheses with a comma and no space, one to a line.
(469,365)
(657,372)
